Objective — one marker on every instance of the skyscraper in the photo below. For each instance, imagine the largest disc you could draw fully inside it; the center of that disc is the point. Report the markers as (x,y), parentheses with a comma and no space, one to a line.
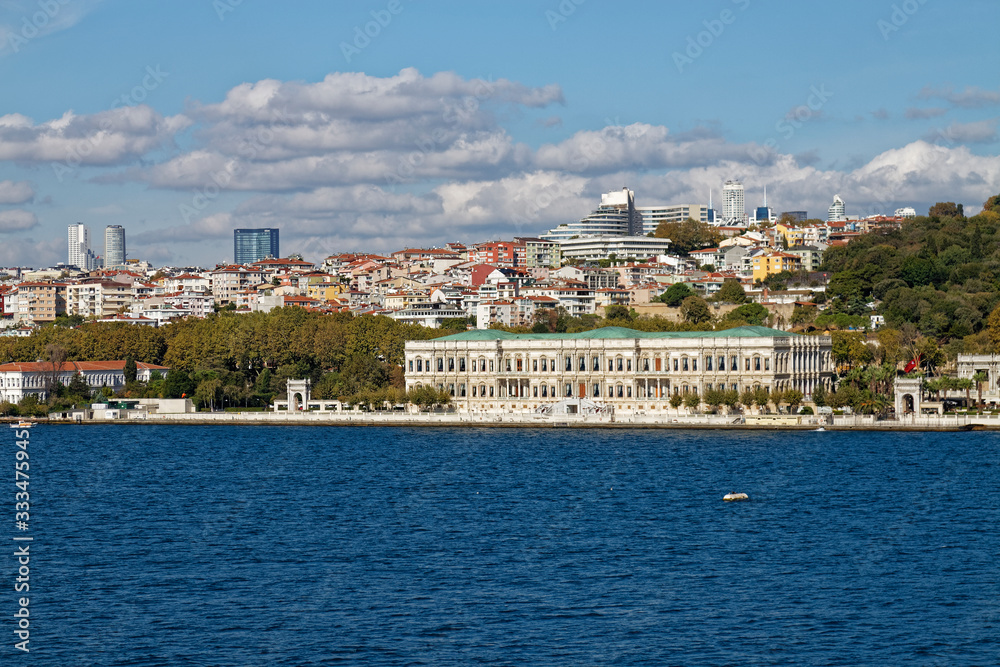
(733,208)
(79,254)
(114,246)
(837,210)
(253,245)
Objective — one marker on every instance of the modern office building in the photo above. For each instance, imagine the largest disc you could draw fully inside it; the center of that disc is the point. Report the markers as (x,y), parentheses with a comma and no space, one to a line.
(652,216)
(114,246)
(253,245)
(596,248)
(733,206)
(837,210)
(616,216)
(621,369)
(80,255)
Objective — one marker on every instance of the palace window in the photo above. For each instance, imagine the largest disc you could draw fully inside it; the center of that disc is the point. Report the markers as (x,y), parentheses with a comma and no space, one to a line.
(597,390)
(722,363)
(684,363)
(440,364)
(645,364)
(491,365)
(583,363)
(545,391)
(534,365)
(545,364)
(520,365)
(461,364)
(535,392)
(491,392)
(676,364)
(747,363)
(461,389)
(451,363)
(621,391)
(767,364)
(628,364)
(597,363)
(569,365)
(620,364)
(708,363)
(420,365)
(508,365)
(735,363)
(411,365)
(694,364)
(569,388)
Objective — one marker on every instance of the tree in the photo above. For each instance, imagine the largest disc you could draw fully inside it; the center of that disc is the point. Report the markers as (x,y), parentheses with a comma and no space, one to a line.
(676,400)
(675,294)
(78,387)
(456,323)
(692,401)
(979,378)
(946,209)
(131,370)
(617,313)
(966,385)
(751,313)
(694,309)
(730,292)
(688,235)
(57,356)
(819,396)
(794,398)
(714,398)
(747,398)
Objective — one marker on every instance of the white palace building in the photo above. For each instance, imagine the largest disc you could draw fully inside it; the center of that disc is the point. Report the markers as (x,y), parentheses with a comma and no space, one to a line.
(614,368)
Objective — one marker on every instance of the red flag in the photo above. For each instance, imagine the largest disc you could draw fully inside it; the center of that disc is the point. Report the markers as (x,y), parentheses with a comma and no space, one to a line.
(913,364)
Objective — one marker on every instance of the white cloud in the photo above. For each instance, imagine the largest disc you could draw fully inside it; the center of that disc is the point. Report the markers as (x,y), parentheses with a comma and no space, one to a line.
(17,220)
(971,97)
(107,138)
(16,192)
(978,132)
(22,21)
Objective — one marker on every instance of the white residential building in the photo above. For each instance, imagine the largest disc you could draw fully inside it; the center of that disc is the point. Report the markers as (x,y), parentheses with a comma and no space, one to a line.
(733,205)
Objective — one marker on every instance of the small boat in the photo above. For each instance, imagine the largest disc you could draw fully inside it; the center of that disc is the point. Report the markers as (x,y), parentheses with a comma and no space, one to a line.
(22,425)
(730,497)
(819,430)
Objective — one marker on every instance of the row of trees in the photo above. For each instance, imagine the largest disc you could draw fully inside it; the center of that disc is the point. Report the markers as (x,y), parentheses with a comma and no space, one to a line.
(731,399)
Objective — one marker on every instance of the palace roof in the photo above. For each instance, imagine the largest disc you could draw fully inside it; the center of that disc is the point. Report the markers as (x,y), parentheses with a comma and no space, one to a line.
(619,332)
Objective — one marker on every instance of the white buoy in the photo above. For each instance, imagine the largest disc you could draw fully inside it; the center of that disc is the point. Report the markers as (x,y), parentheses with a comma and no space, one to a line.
(730,497)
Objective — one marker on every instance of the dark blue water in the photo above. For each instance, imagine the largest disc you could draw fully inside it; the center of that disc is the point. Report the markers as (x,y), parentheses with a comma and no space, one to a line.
(300,546)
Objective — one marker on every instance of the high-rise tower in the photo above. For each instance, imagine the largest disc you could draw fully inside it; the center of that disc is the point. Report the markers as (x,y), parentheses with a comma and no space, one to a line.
(253,245)
(114,246)
(79,254)
(733,208)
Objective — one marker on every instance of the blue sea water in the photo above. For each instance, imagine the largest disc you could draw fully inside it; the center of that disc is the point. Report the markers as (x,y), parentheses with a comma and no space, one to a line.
(171,545)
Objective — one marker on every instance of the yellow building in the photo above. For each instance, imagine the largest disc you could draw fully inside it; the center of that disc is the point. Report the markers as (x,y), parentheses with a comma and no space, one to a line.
(792,235)
(775,262)
(325,291)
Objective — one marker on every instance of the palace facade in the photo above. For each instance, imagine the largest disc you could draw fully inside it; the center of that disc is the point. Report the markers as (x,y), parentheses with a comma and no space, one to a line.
(628,370)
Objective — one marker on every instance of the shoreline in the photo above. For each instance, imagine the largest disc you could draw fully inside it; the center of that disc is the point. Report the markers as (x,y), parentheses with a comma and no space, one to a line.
(470,420)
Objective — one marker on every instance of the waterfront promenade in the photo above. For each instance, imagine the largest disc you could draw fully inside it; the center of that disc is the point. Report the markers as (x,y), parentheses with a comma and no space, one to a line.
(521,420)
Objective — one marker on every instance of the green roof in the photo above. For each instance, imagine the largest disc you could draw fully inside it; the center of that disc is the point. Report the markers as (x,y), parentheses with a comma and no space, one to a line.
(619,332)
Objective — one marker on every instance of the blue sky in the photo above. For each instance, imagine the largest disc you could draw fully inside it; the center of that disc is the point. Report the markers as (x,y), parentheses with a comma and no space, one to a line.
(468,121)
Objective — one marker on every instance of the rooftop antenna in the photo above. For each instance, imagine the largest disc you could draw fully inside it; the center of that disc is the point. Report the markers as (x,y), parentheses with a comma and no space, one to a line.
(765,196)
